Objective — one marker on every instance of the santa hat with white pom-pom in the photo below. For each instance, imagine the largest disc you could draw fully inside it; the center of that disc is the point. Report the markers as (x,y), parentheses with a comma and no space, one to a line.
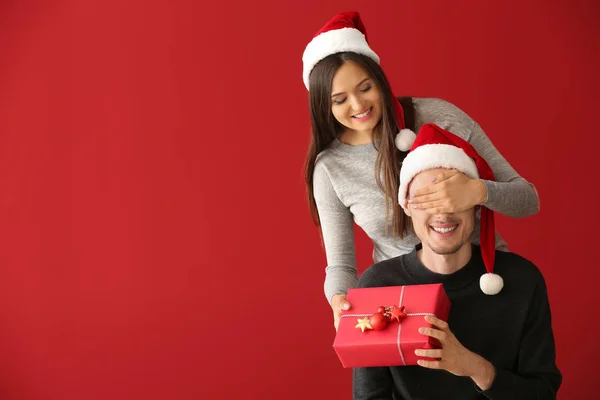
(433,148)
(345,32)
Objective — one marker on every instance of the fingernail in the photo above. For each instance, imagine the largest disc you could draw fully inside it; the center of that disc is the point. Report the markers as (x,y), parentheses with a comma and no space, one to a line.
(421,330)
(416,206)
(434,179)
(418,352)
(346,306)
(420,362)
(410,201)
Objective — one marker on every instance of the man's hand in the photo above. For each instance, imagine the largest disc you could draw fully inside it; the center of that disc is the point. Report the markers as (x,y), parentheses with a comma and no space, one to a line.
(453,356)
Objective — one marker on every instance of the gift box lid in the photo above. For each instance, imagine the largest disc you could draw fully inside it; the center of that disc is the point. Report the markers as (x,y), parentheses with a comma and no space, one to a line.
(381,347)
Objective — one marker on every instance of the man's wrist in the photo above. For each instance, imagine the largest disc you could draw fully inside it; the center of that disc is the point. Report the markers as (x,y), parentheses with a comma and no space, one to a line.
(483,372)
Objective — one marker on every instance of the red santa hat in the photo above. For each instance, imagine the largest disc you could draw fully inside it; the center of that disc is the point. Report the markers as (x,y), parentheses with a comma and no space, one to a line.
(345,32)
(435,147)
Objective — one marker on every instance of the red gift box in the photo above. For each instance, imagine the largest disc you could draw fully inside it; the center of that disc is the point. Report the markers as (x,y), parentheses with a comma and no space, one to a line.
(396,344)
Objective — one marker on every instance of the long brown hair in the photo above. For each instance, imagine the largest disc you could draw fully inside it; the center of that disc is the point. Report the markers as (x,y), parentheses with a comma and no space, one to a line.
(325,129)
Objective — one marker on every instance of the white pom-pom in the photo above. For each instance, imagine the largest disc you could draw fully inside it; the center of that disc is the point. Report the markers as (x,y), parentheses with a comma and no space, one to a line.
(491,283)
(405,139)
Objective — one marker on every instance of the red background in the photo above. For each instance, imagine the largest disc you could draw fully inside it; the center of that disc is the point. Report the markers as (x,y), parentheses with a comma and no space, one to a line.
(155,237)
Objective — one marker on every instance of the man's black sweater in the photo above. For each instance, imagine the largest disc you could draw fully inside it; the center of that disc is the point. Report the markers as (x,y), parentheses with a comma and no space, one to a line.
(512,330)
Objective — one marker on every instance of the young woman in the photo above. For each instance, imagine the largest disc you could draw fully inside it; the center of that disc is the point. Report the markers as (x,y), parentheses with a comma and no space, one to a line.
(352,167)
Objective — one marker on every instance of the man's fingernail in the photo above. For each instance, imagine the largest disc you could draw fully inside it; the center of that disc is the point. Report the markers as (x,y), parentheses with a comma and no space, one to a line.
(346,306)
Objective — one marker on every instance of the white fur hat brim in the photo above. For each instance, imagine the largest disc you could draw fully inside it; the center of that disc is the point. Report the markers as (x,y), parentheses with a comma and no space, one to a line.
(331,42)
(431,156)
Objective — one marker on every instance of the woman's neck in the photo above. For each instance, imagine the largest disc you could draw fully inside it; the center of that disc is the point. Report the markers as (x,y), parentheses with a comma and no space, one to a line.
(355,138)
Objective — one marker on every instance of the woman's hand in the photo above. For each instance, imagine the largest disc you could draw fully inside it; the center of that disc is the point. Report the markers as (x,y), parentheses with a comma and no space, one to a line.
(450,192)
(339,303)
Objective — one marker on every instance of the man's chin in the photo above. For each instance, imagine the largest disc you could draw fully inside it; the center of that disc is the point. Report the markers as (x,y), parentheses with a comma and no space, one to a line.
(444,250)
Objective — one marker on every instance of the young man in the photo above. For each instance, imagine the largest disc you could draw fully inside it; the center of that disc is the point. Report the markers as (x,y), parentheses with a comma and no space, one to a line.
(498,341)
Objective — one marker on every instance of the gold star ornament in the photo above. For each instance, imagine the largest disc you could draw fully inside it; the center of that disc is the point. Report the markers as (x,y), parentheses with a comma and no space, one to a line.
(363,324)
